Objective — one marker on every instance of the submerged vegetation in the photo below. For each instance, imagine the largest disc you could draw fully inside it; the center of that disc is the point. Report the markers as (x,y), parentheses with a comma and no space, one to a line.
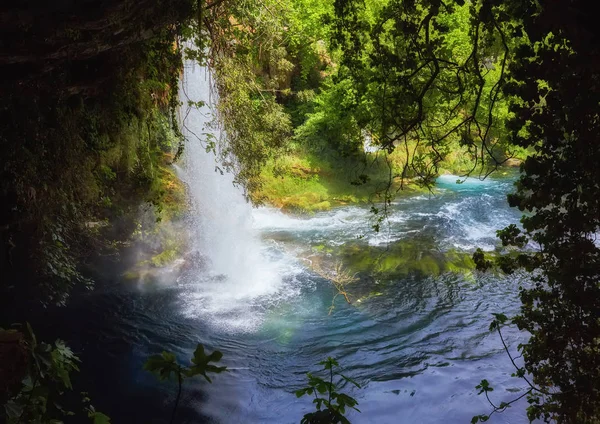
(321,104)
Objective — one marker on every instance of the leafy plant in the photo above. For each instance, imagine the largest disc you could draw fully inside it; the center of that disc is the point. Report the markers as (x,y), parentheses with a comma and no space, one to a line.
(330,403)
(46,380)
(166,367)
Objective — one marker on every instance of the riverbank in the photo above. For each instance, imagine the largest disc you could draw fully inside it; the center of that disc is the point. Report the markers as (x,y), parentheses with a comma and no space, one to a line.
(309,183)
(305,182)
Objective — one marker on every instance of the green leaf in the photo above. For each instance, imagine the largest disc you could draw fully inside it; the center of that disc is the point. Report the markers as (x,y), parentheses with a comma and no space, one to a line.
(344,399)
(163,366)
(100,418)
(31,335)
(13,409)
(329,363)
(202,364)
(484,386)
(315,381)
(349,380)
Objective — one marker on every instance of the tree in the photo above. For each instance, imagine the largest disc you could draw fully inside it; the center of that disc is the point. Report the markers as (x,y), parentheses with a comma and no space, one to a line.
(429,75)
(555,79)
(547,53)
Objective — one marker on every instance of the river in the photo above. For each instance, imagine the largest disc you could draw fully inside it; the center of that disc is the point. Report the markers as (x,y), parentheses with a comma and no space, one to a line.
(415,338)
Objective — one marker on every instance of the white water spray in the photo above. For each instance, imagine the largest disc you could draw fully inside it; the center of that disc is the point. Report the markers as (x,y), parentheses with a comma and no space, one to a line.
(236,272)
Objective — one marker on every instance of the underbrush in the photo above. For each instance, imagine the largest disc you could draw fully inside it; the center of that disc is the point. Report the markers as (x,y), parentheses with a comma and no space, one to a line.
(310,182)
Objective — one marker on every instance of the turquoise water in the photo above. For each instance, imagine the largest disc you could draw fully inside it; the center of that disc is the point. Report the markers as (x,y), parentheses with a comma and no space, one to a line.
(418,347)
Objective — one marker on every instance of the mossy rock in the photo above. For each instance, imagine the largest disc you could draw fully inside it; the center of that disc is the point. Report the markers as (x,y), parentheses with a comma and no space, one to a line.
(164,258)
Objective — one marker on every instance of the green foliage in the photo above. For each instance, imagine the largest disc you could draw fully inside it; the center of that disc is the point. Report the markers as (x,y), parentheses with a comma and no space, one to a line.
(330,403)
(166,367)
(44,386)
(553,112)
(201,363)
(305,181)
(481,264)
(423,80)
(255,124)
(333,123)
(427,77)
(519,77)
(511,236)
(89,409)
(287,84)
(73,160)
(251,71)
(534,393)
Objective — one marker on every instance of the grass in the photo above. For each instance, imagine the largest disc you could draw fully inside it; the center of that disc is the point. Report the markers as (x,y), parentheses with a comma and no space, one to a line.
(306,181)
(309,182)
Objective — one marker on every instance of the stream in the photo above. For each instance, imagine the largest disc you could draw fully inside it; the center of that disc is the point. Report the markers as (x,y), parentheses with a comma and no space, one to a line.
(417,340)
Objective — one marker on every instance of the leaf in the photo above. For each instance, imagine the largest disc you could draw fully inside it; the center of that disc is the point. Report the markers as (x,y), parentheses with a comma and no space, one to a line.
(31,335)
(501,318)
(484,386)
(344,399)
(329,363)
(315,381)
(100,418)
(13,409)
(63,374)
(300,393)
(349,380)
(202,365)
(163,365)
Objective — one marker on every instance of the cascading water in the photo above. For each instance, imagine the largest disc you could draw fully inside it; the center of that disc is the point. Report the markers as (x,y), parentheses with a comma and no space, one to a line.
(232,267)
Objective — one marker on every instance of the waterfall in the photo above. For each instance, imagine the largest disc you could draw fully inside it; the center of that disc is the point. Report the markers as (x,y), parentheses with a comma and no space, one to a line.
(234,271)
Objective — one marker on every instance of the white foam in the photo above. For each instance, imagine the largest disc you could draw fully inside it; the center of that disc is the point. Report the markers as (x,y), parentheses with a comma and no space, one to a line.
(241,269)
